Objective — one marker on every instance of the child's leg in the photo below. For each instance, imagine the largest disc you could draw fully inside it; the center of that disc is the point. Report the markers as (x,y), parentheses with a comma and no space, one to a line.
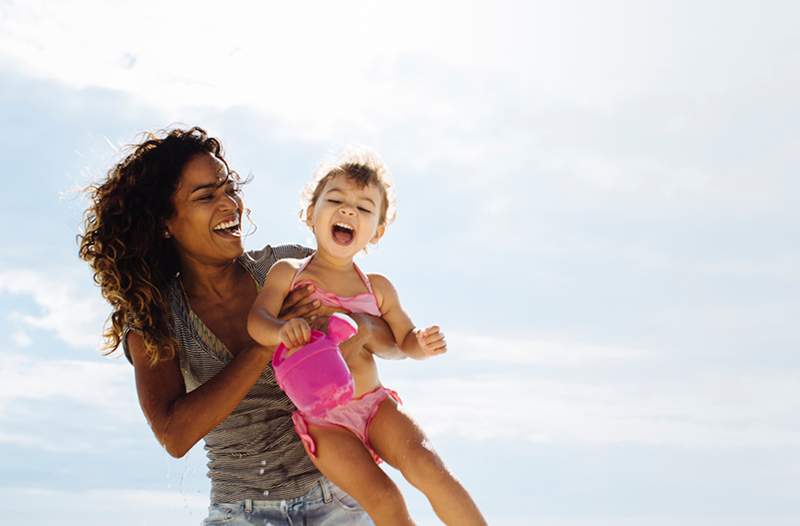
(401,443)
(346,462)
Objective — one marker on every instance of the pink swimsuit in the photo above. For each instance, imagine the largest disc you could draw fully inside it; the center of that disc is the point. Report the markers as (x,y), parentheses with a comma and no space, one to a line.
(356,415)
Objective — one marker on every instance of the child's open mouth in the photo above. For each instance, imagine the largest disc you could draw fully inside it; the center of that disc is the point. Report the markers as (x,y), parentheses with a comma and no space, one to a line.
(343,234)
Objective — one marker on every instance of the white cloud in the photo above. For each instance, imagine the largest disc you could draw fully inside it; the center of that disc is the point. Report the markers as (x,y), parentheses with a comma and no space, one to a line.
(650,519)
(127,506)
(325,68)
(724,412)
(21,339)
(577,103)
(563,392)
(136,507)
(105,384)
(43,396)
(327,81)
(499,350)
(74,317)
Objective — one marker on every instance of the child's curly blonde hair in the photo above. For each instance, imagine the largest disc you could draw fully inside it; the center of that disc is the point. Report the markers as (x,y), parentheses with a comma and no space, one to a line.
(361,166)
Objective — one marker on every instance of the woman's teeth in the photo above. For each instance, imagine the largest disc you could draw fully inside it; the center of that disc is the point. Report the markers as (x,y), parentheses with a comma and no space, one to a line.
(227,224)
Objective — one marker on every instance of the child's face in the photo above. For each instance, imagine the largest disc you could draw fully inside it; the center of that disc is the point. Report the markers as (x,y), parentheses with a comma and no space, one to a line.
(345,217)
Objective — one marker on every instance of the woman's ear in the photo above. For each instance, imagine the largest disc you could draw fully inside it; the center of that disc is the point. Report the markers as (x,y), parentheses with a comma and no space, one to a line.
(166,231)
(378,234)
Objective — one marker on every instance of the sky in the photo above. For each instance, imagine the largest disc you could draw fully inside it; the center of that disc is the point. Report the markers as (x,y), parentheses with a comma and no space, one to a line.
(595,201)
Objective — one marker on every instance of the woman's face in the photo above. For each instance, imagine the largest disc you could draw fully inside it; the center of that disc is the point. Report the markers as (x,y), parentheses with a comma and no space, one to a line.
(206,225)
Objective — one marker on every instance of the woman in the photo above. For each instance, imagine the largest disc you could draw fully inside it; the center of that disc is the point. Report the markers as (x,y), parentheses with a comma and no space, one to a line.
(163,236)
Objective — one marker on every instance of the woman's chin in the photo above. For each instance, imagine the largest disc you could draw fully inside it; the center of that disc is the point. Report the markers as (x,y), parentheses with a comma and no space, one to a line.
(230,246)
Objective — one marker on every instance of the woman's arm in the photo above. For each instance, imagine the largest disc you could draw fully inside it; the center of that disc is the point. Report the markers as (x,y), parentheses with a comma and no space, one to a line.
(179,419)
(375,335)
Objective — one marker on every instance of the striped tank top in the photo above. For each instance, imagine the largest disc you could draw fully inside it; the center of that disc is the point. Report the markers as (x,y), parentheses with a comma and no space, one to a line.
(254,453)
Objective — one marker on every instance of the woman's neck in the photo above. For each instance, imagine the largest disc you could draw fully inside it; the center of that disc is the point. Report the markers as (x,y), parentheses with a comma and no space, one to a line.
(205,280)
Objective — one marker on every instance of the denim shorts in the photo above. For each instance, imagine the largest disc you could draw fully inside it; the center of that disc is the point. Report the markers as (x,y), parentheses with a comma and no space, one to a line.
(324,505)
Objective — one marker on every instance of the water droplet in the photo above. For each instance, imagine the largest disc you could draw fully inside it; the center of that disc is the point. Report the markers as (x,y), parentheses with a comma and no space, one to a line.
(261,471)
(266,493)
(263,462)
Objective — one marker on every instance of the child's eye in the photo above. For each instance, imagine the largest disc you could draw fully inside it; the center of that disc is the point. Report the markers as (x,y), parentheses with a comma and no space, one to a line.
(334,201)
(365,210)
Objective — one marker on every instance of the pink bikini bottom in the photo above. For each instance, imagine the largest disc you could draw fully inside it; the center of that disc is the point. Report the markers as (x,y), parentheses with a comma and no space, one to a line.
(355,416)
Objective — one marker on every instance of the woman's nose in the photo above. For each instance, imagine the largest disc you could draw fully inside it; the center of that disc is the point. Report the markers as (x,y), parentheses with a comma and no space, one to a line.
(229,202)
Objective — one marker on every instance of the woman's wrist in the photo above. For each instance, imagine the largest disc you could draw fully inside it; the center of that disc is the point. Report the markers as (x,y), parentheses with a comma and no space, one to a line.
(377,337)
(365,324)
(261,352)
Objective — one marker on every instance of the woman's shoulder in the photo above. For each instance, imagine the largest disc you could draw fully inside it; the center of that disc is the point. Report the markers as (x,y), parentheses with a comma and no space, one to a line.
(176,305)
(260,261)
(272,253)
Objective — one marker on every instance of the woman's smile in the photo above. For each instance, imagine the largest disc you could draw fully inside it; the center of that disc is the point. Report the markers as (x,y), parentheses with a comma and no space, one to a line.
(229,228)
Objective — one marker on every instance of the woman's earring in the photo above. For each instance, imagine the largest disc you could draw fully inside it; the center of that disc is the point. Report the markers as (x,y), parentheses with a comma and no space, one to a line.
(167,235)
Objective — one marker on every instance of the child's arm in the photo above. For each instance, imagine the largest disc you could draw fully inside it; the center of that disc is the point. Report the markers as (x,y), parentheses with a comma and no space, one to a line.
(263,324)
(415,343)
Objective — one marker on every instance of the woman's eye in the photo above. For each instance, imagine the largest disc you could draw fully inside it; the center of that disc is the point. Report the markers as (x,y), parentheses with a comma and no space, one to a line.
(206,197)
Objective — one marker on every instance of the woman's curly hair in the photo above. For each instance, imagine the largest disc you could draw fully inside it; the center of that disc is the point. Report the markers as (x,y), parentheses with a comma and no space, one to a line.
(123,235)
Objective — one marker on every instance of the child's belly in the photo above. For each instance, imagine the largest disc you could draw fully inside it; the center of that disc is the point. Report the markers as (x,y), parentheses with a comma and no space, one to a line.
(364,370)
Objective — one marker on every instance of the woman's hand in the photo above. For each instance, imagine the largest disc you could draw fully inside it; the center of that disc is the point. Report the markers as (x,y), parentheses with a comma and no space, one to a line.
(375,336)
(299,304)
(363,321)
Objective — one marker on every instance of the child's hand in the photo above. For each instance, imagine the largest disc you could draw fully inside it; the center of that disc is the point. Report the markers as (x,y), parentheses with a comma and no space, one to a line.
(431,341)
(295,332)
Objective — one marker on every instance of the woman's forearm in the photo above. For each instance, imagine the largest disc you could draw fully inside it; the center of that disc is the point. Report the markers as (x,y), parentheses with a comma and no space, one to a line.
(180,419)
(377,337)
(190,417)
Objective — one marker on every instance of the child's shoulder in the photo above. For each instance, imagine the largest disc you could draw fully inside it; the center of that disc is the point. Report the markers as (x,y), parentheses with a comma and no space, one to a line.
(291,262)
(381,284)
(286,267)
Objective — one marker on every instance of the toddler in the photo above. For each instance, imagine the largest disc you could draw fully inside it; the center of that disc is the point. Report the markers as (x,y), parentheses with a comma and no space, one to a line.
(349,207)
